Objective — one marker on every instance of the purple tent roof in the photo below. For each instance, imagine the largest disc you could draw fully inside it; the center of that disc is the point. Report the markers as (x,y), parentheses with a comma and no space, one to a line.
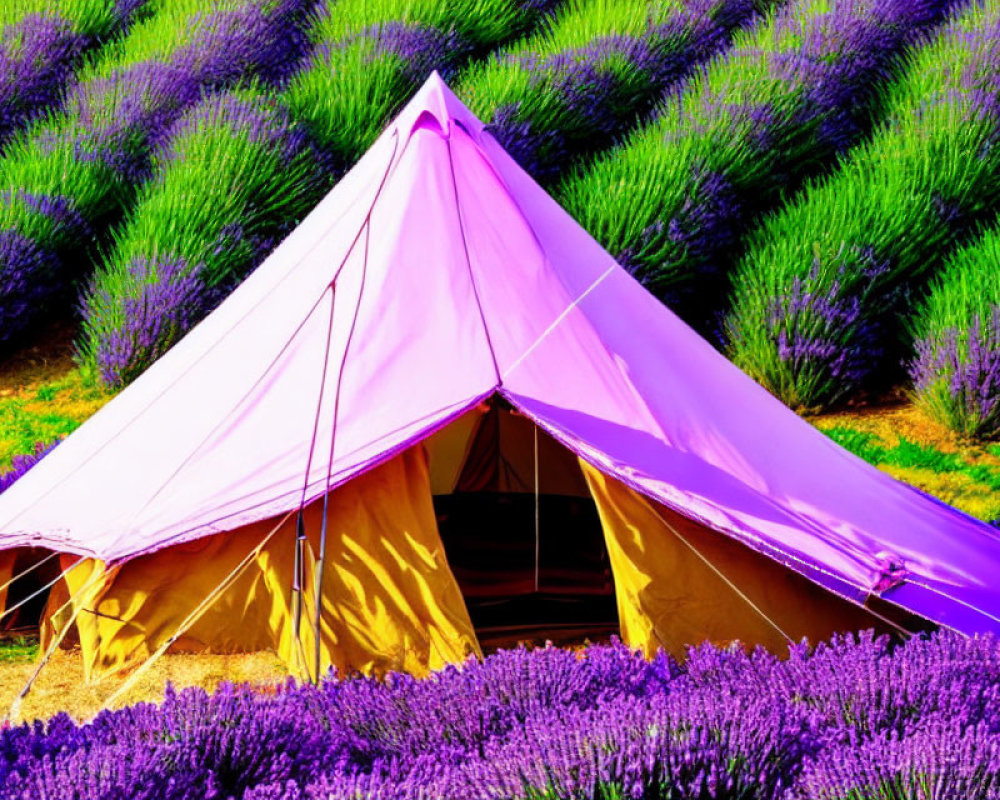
(457,277)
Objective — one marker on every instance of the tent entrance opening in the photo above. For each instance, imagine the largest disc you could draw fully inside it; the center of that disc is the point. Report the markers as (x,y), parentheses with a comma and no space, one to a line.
(529,555)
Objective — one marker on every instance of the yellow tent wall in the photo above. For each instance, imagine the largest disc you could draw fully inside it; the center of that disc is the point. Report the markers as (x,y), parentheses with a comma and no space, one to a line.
(389,598)
(668,597)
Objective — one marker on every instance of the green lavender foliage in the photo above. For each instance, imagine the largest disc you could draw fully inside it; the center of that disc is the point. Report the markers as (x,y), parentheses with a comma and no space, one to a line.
(75,172)
(596,70)
(89,17)
(956,333)
(371,55)
(793,94)
(234,177)
(818,297)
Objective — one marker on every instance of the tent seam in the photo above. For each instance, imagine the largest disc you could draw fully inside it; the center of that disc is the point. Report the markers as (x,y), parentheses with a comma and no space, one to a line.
(468,259)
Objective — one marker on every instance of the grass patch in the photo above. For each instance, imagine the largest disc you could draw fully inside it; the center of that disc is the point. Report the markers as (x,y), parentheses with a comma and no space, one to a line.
(963,475)
(43,394)
(45,412)
(18,649)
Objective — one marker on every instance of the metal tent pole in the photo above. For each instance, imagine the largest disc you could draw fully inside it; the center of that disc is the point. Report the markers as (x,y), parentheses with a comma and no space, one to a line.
(538,538)
(318,585)
(365,232)
(297,570)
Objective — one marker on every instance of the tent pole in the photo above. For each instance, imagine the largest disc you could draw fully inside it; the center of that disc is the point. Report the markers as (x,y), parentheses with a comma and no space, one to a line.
(300,538)
(538,538)
(320,562)
(321,559)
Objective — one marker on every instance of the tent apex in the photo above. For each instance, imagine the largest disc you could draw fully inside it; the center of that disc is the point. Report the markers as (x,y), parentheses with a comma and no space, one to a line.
(437,101)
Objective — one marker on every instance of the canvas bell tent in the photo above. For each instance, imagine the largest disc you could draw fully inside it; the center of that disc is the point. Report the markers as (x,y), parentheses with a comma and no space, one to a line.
(441,410)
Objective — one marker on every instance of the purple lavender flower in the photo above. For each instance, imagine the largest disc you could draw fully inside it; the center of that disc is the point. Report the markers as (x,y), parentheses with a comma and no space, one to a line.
(263,39)
(957,373)
(21,288)
(168,302)
(30,273)
(22,463)
(129,113)
(254,172)
(927,182)
(943,760)
(126,117)
(854,716)
(804,323)
(421,48)
(37,56)
(760,123)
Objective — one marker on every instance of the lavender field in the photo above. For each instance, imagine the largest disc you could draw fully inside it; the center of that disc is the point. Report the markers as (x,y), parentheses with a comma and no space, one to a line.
(814,185)
(855,719)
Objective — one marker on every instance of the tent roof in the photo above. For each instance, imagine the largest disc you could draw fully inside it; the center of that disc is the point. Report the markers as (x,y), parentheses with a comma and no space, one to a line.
(456,277)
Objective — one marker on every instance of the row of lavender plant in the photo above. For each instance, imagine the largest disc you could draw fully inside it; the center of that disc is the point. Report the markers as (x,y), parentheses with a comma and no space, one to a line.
(956,368)
(371,55)
(673,202)
(79,170)
(856,718)
(580,84)
(41,47)
(235,175)
(176,258)
(817,298)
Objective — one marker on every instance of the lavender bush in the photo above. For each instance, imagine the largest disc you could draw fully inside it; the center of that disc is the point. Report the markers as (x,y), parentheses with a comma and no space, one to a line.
(239,175)
(817,294)
(673,203)
(956,330)
(87,162)
(855,718)
(40,48)
(370,56)
(583,81)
